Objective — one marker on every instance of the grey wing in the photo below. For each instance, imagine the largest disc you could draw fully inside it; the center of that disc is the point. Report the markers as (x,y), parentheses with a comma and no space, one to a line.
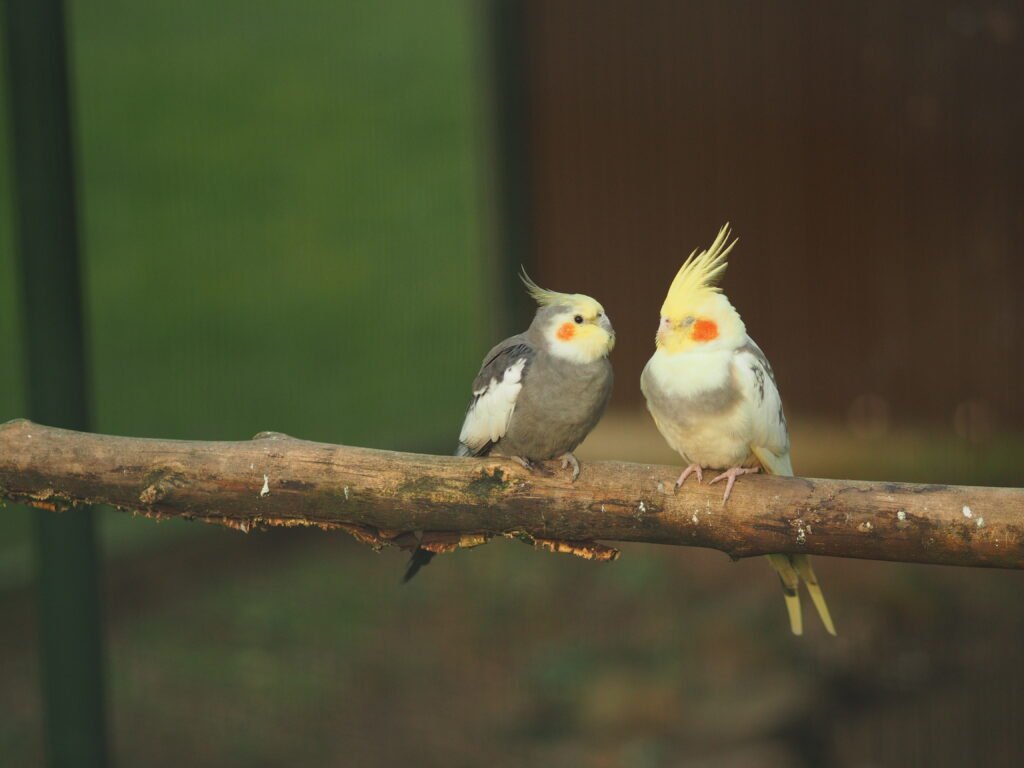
(495,391)
(770,435)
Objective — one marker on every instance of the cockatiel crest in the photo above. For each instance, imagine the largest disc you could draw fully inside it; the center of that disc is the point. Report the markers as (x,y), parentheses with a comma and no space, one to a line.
(546,298)
(696,314)
(698,278)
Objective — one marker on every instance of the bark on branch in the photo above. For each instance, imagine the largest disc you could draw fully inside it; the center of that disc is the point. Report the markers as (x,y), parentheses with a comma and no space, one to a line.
(442,502)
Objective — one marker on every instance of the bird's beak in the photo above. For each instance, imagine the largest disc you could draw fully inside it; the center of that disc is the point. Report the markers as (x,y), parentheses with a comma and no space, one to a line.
(663,327)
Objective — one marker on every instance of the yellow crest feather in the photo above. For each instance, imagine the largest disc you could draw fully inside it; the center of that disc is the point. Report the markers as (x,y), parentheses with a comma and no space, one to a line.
(543,296)
(699,275)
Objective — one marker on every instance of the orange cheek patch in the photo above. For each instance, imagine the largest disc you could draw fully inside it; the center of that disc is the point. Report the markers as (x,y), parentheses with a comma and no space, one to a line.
(566,331)
(704,330)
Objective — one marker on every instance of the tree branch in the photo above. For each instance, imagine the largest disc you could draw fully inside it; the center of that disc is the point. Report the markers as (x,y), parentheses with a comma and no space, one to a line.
(383,498)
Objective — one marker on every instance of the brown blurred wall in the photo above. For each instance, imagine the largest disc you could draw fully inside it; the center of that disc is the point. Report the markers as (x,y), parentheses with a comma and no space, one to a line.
(869,156)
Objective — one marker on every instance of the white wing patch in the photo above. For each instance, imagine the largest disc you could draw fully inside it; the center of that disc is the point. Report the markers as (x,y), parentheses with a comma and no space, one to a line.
(488,417)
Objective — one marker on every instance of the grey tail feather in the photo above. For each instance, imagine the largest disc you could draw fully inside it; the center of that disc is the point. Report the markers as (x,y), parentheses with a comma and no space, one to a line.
(420,558)
(465,450)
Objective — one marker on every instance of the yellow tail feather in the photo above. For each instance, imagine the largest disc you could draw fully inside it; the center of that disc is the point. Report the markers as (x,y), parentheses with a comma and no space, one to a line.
(802,563)
(797,565)
(790,586)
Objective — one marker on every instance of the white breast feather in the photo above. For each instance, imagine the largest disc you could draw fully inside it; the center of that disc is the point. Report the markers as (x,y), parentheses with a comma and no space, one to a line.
(691,374)
(489,416)
(720,440)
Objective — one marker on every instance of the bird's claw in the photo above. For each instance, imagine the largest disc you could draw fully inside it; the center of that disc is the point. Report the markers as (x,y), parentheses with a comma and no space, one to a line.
(731,475)
(536,469)
(693,469)
(568,460)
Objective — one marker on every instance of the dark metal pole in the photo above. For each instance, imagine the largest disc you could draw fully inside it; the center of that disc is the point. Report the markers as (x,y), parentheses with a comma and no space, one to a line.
(54,340)
(507,82)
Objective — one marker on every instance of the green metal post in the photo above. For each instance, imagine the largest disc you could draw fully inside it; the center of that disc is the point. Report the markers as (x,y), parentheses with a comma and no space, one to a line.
(47,241)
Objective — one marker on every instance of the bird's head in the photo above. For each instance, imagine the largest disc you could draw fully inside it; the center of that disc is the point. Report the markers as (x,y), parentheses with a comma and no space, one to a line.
(696,314)
(574,327)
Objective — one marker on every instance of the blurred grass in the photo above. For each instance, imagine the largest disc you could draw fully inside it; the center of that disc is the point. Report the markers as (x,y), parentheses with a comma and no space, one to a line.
(298,647)
(279,218)
(279,225)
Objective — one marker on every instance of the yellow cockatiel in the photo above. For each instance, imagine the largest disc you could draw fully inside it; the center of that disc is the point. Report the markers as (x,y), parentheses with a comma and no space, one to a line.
(714,399)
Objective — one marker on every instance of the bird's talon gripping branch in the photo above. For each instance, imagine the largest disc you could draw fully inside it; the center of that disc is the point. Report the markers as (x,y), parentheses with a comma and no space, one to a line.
(568,460)
(533,467)
(693,469)
(731,475)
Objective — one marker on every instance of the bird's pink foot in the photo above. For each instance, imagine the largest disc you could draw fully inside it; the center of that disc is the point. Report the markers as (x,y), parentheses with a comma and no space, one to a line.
(693,469)
(731,475)
(568,460)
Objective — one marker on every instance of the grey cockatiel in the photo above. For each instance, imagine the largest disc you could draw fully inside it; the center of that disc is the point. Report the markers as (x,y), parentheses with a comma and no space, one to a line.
(539,393)
(714,399)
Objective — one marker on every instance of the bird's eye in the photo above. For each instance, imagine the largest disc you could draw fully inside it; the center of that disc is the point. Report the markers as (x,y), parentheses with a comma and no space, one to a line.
(578,319)
(688,321)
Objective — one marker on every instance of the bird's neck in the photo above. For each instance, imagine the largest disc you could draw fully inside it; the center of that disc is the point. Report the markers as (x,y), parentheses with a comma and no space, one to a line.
(692,371)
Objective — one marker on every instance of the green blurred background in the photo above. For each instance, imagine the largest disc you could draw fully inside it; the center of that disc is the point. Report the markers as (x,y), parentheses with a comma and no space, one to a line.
(288,219)
(281,220)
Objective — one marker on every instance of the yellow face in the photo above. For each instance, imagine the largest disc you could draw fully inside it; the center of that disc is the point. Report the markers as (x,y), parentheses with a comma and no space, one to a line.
(583,332)
(690,328)
(576,327)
